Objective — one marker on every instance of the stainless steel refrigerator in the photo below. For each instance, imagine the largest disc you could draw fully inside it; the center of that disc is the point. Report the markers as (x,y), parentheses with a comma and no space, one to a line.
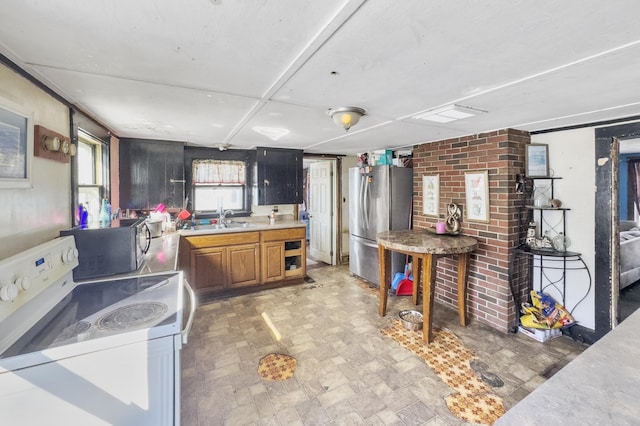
(380,200)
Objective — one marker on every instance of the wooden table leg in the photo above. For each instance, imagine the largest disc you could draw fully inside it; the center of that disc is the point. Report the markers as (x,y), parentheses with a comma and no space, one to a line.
(384,267)
(416,279)
(429,263)
(463,260)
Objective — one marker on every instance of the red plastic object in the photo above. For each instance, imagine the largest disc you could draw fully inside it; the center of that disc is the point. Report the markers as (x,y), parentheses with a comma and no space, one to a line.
(405,287)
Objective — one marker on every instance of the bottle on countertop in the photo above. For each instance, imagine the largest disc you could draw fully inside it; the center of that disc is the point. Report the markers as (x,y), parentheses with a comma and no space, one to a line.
(105,216)
(83,216)
(272,217)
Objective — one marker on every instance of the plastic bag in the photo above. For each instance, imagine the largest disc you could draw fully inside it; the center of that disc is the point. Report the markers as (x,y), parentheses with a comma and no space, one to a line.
(545,313)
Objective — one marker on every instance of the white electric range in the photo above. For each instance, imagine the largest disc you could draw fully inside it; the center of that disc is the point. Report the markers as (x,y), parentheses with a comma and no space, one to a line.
(98,352)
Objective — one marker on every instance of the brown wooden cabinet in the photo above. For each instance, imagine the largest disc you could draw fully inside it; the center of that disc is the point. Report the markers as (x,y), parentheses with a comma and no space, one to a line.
(272,261)
(207,266)
(219,262)
(214,263)
(284,254)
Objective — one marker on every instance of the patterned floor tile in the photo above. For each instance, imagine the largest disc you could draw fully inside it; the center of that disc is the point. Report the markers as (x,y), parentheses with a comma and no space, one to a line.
(354,374)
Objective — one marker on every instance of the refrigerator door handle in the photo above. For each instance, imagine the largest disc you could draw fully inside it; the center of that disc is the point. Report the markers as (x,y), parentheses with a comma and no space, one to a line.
(367,197)
(361,210)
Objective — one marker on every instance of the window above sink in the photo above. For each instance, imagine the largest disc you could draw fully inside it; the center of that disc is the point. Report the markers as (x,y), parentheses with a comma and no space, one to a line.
(219,184)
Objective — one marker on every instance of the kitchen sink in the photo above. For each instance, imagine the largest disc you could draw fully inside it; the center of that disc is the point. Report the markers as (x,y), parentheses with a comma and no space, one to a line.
(229,225)
(239,224)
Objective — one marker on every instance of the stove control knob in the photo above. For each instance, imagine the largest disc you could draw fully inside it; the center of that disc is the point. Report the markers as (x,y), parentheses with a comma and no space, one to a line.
(8,292)
(23,283)
(70,255)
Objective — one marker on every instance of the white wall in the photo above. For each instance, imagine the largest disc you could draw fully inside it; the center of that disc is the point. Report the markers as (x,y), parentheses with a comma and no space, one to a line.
(34,215)
(572,157)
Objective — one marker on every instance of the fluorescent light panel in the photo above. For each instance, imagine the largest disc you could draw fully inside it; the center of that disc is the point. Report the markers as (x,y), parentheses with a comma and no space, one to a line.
(448,113)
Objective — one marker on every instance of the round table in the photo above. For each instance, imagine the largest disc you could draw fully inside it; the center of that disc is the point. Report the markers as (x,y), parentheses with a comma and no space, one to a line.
(425,246)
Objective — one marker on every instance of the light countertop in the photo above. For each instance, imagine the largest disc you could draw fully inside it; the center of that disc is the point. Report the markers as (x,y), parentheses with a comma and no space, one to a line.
(163,251)
(601,386)
(255,225)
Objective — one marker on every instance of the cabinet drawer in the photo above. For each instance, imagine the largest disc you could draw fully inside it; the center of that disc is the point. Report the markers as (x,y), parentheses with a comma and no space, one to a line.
(235,238)
(284,234)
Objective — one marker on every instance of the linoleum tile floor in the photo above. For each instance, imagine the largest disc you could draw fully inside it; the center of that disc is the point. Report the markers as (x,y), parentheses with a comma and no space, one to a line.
(347,372)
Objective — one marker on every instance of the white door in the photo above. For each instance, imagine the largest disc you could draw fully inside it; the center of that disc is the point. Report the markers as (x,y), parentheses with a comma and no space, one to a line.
(320,209)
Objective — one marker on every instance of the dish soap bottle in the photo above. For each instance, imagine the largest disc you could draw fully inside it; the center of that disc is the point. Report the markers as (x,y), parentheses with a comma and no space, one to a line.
(104,217)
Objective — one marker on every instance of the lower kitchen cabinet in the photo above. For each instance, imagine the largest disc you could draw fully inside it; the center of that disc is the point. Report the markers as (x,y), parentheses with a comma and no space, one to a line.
(207,266)
(244,265)
(214,263)
(284,254)
(272,261)
(220,262)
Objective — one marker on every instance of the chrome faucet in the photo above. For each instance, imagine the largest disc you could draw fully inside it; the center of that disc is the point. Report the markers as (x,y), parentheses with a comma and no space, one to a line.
(222,216)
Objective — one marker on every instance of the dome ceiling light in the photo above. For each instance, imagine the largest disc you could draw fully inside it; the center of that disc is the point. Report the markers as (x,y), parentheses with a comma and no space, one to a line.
(346,117)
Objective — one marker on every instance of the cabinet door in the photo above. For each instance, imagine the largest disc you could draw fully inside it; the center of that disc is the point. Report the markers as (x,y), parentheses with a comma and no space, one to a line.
(208,268)
(244,265)
(272,261)
(279,176)
(146,171)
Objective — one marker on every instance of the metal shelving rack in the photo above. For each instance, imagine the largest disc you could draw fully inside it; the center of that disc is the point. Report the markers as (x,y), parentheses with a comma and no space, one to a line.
(552,265)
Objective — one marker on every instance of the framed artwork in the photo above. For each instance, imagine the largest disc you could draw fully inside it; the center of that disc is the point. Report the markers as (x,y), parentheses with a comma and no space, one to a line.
(431,195)
(537,160)
(16,146)
(476,188)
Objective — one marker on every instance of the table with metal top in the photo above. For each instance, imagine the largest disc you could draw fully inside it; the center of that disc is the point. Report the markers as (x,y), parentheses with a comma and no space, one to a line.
(425,247)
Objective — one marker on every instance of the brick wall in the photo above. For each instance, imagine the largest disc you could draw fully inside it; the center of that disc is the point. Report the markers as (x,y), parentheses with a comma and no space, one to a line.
(501,153)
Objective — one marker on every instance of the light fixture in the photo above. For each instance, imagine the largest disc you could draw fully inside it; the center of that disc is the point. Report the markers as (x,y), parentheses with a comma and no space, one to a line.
(223,146)
(51,143)
(448,113)
(346,117)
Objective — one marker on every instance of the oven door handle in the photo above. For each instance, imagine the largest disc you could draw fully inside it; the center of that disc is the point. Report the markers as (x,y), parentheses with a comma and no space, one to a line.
(147,233)
(192,311)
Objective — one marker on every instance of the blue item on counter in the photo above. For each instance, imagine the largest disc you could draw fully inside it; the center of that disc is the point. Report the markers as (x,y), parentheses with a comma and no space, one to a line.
(83,216)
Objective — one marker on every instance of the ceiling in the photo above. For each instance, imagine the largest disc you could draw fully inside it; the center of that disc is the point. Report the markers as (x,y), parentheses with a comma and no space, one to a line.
(248,73)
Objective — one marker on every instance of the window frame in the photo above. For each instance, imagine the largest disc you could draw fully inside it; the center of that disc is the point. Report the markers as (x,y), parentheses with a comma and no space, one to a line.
(243,187)
(101,173)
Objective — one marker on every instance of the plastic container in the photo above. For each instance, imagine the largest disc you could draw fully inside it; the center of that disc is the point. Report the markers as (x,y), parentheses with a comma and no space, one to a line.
(155,227)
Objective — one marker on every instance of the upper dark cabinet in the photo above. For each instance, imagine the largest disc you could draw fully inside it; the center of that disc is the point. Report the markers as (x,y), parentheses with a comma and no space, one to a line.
(151,172)
(279,176)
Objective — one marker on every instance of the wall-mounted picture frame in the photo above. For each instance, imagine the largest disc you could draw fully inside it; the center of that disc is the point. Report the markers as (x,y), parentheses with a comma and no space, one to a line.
(16,145)
(537,160)
(431,195)
(476,188)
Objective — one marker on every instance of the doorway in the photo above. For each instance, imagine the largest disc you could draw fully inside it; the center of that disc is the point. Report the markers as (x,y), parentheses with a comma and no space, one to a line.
(321,209)
(607,250)
(628,227)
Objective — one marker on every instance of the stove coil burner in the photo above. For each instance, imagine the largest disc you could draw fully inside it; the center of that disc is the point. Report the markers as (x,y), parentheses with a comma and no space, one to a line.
(132,316)
(72,333)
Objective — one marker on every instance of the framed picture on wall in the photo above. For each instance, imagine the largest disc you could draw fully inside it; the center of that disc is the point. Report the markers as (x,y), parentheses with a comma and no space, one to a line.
(537,160)
(16,146)
(476,188)
(431,195)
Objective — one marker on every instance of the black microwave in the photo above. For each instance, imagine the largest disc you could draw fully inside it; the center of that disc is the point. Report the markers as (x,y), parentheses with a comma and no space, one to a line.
(116,248)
